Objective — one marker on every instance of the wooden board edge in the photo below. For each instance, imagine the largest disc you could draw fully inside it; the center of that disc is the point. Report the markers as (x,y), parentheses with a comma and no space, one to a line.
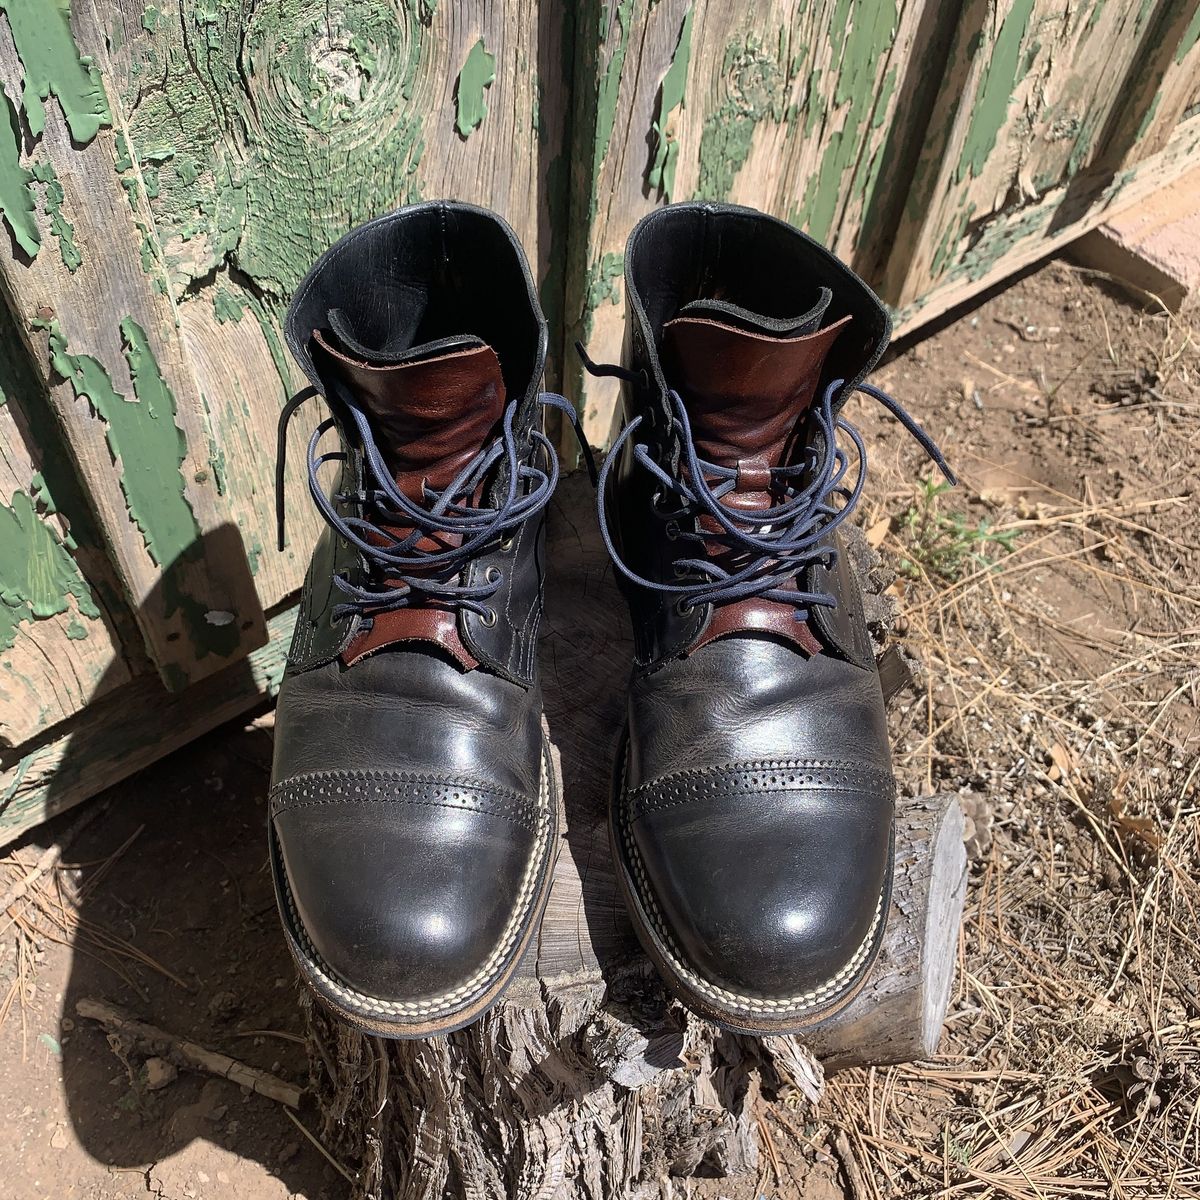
(132,727)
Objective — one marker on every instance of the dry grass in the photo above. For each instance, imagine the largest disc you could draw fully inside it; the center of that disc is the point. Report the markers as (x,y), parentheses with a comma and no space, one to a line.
(46,911)
(1062,688)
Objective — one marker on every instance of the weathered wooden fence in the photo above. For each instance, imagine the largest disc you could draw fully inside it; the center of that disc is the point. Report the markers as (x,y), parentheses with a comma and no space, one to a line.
(168,172)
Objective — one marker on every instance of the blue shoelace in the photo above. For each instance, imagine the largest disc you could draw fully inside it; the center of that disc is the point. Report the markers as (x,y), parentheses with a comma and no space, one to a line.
(773,545)
(399,572)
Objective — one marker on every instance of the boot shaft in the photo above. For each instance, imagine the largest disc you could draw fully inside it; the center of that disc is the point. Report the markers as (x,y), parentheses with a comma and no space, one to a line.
(750,272)
(423,332)
(748,337)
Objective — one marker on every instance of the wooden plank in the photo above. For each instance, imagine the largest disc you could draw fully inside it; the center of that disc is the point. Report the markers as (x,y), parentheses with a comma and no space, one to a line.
(105,342)
(810,111)
(61,617)
(129,728)
(1163,88)
(1006,248)
(262,133)
(1034,95)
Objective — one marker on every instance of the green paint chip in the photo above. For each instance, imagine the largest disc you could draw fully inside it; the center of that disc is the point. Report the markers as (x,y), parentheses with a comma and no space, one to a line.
(53,66)
(142,438)
(60,227)
(37,573)
(17,206)
(478,73)
(990,108)
(610,83)
(666,145)
(227,306)
(756,84)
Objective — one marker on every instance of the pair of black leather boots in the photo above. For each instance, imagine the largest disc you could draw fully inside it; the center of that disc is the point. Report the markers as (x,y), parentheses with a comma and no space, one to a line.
(413,810)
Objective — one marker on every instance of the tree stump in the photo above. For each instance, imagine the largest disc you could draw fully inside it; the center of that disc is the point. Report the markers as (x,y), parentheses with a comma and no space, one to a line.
(589,1079)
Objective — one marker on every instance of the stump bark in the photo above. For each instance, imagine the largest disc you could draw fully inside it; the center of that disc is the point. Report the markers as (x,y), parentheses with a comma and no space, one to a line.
(588,1079)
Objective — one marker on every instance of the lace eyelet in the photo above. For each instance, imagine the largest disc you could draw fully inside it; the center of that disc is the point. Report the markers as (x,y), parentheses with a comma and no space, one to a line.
(487,618)
(672,530)
(683,607)
(508,543)
(493,575)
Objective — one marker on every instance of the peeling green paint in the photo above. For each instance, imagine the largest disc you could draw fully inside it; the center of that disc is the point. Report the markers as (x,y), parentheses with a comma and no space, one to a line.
(862,34)
(995,242)
(478,73)
(76,630)
(53,65)
(43,497)
(267,197)
(604,281)
(1191,35)
(755,83)
(16,193)
(142,436)
(989,110)
(60,227)
(37,573)
(610,83)
(143,439)
(671,97)
(227,306)
(254,553)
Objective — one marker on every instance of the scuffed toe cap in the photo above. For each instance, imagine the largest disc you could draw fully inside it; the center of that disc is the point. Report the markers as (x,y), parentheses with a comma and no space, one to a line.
(409,889)
(767,879)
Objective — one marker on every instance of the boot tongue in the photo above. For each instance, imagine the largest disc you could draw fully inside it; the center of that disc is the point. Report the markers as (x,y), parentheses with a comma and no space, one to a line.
(747,380)
(432,407)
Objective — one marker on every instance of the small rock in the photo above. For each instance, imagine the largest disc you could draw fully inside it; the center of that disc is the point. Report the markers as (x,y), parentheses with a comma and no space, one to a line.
(223,1006)
(159,1073)
(59,1139)
(289,1152)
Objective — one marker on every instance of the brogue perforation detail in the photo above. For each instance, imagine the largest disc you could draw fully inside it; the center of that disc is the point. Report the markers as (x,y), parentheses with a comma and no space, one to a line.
(752,1005)
(741,779)
(403,787)
(448,1001)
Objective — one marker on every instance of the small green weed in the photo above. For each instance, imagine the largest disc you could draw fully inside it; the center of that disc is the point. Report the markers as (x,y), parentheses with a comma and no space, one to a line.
(945,544)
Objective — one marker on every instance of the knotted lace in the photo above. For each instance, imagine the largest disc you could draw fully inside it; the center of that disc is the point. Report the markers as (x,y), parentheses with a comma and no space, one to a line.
(398,571)
(769,547)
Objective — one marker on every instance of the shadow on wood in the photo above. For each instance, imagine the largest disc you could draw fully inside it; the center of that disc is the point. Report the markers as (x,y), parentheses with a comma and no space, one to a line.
(588,1079)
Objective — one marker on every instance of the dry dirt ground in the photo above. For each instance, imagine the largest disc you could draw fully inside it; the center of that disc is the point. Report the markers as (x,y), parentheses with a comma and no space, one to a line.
(1054,602)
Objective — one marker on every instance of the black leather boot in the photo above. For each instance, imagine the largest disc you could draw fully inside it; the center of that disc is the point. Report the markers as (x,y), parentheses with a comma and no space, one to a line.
(752,818)
(413,814)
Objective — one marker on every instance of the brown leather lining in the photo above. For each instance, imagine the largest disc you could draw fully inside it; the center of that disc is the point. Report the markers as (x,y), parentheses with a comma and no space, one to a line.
(430,418)
(756,615)
(747,396)
(435,625)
